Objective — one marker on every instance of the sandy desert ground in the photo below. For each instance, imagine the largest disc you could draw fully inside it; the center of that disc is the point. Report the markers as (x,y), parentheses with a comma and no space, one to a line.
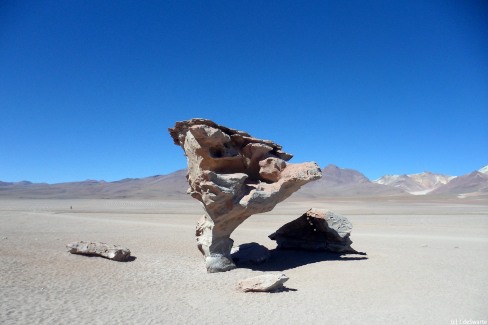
(427,263)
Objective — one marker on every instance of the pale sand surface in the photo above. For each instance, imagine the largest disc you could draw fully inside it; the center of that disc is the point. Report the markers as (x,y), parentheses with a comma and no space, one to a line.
(427,263)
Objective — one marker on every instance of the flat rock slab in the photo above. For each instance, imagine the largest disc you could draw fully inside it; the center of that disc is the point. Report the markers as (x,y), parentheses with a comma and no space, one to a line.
(250,253)
(268,282)
(112,252)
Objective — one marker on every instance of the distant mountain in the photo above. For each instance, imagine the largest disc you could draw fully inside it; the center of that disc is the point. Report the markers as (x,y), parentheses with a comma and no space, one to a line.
(173,186)
(337,176)
(335,182)
(475,183)
(417,184)
(338,181)
(472,184)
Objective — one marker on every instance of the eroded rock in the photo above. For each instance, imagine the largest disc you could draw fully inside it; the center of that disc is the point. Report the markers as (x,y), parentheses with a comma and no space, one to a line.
(234,176)
(268,282)
(317,230)
(112,252)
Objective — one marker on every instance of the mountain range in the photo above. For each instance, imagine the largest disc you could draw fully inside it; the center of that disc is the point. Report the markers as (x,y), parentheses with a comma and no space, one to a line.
(417,184)
(335,182)
(472,184)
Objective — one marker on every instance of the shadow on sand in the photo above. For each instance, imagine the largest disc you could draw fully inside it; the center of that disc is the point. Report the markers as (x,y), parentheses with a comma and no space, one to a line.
(285,259)
(129,259)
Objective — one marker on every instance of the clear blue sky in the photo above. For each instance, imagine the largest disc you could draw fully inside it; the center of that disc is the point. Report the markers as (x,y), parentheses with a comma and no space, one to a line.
(89,88)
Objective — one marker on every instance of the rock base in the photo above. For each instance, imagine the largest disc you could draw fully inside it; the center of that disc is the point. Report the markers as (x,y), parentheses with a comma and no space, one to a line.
(218,263)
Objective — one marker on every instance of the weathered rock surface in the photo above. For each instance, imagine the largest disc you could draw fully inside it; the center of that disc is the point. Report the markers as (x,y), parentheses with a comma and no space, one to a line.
(250,253)
(112,252)
(268,282)
(234,176)
(318,230)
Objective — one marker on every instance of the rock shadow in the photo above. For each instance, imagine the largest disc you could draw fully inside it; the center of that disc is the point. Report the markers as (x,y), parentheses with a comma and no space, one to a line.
(286,259)
(129,259)
(284,289)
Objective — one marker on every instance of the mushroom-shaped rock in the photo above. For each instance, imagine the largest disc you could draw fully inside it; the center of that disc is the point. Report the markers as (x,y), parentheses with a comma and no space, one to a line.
(234,176)
(318,230)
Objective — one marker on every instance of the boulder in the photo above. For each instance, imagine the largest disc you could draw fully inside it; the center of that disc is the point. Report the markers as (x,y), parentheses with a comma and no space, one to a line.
(112,252)
(316,230)
(234,176)
(268,282)
(250,253)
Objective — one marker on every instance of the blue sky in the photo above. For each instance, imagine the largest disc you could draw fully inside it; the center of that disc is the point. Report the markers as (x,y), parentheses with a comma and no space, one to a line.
(89,88)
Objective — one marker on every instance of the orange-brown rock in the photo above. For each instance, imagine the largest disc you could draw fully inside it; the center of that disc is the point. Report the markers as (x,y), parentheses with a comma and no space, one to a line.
(235,176)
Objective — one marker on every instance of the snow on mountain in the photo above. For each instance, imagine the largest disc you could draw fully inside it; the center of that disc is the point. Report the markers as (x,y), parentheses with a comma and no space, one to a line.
(417,184)
(484,170)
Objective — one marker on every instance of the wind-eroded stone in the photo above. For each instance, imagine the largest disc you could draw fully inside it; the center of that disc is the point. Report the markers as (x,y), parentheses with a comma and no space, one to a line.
(112,252)
(235,176)
(268,282)
(318,230)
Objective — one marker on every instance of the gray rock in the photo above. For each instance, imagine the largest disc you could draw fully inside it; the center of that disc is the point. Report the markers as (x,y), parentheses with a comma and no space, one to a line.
(268,282)
(317,230)
(112,252)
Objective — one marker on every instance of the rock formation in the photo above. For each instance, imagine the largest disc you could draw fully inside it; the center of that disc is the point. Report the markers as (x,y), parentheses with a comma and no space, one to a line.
(112,252)
(234,176)
(317,230)
(268,282)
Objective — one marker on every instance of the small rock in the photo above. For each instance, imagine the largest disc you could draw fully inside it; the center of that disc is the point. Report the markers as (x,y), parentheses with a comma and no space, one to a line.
(263,283)
(425,245)
(112,252)
(5,238)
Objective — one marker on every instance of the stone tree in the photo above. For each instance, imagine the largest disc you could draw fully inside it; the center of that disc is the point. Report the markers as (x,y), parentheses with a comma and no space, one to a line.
(234,176)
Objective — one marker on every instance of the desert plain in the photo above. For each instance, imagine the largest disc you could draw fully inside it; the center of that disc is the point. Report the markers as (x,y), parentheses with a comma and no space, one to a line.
(426,263)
